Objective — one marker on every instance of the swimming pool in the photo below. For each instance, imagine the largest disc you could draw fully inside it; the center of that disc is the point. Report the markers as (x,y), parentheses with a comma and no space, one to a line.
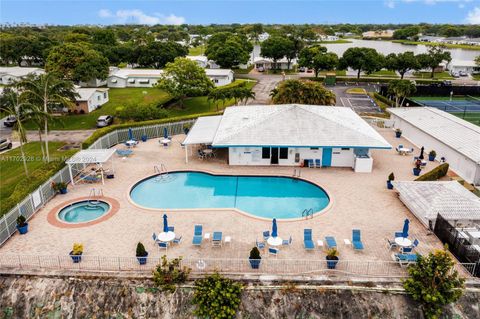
(262,196)
(83,211)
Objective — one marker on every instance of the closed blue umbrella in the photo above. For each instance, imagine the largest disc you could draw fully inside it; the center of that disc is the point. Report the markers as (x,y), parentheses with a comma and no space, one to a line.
(165,223)
(130,134)
(165,132)
(405,228)
(274,228)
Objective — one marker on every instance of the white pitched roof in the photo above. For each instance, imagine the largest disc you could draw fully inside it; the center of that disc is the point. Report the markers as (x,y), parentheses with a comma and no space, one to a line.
(201,58)
(449,199)
(295,125)
(90,156)
(147,73)
(20,71)
(86,93)
(218,72)
(459,134)
(203,131)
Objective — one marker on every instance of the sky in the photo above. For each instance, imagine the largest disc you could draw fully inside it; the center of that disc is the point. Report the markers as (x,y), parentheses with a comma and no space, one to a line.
(71,12)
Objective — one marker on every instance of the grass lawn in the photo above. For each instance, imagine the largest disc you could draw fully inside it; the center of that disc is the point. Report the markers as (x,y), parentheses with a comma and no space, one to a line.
(337,73)
(243,71)
(117,97)
(476,77)
(339,41)
(11,164)
(472,117)
(384,73)
(356,91)
(438,75)
(200,50)
(440,98)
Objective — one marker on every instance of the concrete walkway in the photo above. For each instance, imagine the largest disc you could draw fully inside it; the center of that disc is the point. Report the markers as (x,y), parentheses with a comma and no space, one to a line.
(74,137)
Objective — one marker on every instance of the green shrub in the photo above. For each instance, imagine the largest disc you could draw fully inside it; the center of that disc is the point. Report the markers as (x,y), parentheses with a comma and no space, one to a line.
(216,297)
(141,252)
(21,221)
(370,80)
(255,253)
(169,273)
(140,112)
(59,186)
(383,99)
(391,177)
(103,131)
(435,174)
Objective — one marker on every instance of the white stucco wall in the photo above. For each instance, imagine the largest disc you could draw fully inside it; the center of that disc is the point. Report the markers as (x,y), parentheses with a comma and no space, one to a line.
(460,164)
(97,99)
(121,82)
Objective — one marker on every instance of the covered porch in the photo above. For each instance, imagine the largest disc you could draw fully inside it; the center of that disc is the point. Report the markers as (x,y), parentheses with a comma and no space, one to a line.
(200,138)
(91,165)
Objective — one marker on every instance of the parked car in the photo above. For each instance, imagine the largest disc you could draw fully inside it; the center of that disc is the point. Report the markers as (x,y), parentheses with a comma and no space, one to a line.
(463,73)
(302,69)
(104,120)
(5,144)
(455,74)
(10,121)
(260,69)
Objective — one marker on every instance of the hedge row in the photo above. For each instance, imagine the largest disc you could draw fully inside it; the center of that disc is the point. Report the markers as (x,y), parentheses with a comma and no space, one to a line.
(370,80)
(383,99)
(103,131)
(435,174)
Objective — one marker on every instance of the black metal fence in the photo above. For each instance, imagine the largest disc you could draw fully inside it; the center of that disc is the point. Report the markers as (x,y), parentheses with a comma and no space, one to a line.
(439,90)
(457,244)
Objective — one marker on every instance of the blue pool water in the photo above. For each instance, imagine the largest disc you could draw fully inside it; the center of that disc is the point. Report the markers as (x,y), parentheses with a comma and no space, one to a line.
(83,212)
(268,197)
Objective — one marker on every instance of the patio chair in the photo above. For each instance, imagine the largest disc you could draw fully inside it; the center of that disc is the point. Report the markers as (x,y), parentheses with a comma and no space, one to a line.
(273,251)
(162,244)
(287,242)
(197,235)
(89,178)
(415,243)
(259,244)
(217,238)
(404,250)
(331,242)
(400,146)
(391,244)
(266,234)
(311,163)
(356,239)
(307,239)
(171,228)
(405,259)
(177,240)
(318,163)
(124,153)
(200,154)
(154,237)
(398,234)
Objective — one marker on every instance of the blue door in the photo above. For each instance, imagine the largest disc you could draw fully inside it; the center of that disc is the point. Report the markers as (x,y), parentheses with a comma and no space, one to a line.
(327,157)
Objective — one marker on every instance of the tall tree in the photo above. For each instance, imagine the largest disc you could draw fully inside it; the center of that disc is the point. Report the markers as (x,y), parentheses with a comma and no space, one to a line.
(362,59)
(401,89)
(45,91)
(302,92)
(183,78)
(477,60)
(402,62)
(228,49)
(158,54)
(77,62)
(275,48)
(433,58)
(317,58)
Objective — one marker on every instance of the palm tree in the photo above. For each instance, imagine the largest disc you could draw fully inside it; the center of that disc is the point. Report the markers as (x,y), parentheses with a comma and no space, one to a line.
(15,104)
(47,90)
(401,89)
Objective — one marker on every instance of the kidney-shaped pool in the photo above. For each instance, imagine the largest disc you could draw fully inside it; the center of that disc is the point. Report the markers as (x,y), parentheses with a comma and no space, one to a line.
(262,196)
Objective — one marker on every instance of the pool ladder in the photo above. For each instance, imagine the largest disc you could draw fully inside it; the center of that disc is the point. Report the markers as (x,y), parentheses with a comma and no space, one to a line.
(307,213)
(162,169)
(296,172)
(95,193)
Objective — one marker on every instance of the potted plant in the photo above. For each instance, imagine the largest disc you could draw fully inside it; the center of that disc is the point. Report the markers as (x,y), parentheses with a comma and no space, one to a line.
(332,258)
(254,258)
(141,254)
(417,169)
(432,155)
(22,225)
(391,177)
(398,133)
(186,128)
(60,187)
(144,138)
(76,252)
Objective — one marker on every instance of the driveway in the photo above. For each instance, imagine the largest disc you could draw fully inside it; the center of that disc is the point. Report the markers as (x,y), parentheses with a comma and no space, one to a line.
(5,132)
(265,84)
(72,137)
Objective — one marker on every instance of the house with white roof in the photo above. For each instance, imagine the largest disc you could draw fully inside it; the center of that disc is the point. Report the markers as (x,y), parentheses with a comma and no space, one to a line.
(426,200)
(122,78)
(467,66)
(454,139)
(290,135)
(8,75)
(262,63)
(201,60)
(89,99)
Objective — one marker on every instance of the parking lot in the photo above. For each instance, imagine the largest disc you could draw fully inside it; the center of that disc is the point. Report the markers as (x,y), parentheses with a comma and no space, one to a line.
(360,103)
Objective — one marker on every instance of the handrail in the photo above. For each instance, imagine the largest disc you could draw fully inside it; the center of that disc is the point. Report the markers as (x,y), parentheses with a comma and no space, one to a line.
(307,212)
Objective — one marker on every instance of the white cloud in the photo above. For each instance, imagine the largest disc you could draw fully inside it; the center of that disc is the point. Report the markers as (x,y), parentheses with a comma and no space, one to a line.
(138,16)
(461,6)
(390,4)
(473,17)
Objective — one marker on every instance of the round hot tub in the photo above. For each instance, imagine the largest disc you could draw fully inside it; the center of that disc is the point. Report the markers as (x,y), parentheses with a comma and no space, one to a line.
(83,211)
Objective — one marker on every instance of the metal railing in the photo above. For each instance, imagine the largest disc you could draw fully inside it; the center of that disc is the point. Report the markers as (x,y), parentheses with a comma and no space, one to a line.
(271,266)
(38,198)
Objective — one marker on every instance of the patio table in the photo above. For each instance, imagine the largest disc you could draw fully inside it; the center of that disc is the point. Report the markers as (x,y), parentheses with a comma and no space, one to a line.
(131,143)
(165,141)
(404,150)
(166,236)
(274,241)
(403,242)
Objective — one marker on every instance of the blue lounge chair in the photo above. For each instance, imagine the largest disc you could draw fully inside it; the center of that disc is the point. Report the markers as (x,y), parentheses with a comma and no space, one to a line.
(162,244)
(89,178)
(405,259)
(124,153)
(177,240)
(318,163)
(273,251)
(266,234)
(331,242)
(197,235)
(415,243)
(307,239)
(311,164)
(356,239)
(217,238)
(259,244)
(287,242)
(171,228)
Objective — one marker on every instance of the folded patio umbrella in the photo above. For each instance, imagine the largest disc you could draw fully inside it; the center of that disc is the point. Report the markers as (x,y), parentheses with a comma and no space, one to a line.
(274,228)
(421,153)
(405,228)
(130,134)
(165,132)
(165,223)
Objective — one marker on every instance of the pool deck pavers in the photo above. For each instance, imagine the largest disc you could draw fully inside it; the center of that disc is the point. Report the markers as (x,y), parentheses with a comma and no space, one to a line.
(360,201)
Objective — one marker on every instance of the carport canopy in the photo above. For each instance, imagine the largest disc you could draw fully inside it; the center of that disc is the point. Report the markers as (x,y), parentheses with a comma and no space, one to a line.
(90,156)
(202,132)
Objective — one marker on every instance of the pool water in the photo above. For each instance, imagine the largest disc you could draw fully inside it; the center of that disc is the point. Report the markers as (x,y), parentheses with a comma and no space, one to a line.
(263,196)
(83,211)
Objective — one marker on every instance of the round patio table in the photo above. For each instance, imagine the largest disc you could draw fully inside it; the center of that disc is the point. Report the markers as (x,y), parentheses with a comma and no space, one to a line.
(274,241)
(403,242)
(166,236)
(207,151)
(165,141)
(131,143)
